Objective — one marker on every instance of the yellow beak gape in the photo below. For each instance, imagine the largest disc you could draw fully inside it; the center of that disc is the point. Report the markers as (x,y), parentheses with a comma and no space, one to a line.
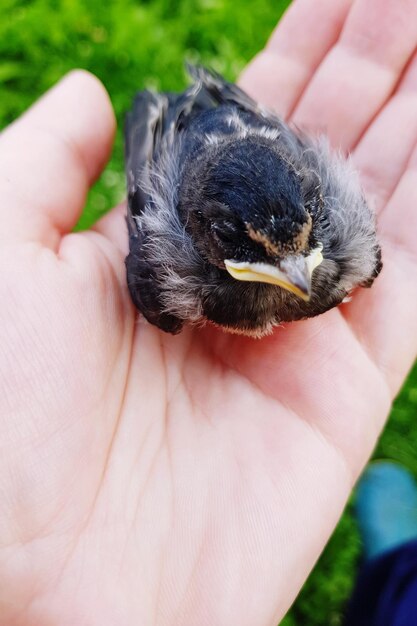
(294,273)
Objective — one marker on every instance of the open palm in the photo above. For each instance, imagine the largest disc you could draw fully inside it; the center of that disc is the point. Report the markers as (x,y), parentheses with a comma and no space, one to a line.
(193,480)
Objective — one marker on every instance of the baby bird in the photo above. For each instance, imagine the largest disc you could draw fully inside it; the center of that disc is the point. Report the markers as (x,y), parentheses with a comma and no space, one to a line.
(234,217)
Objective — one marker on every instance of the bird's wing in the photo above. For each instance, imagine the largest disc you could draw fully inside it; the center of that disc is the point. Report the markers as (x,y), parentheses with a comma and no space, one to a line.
(152,127)
(146,124)
(154,117)
(144,286)
(215,89)
(143,132)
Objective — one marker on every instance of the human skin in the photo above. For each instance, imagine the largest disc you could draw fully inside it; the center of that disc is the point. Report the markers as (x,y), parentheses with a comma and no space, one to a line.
(193,480)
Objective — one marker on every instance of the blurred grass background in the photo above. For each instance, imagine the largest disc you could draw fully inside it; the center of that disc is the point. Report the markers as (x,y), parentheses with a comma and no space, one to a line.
(131,44)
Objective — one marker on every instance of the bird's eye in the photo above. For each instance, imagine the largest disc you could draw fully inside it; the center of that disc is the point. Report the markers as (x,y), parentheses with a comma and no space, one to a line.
(224,232)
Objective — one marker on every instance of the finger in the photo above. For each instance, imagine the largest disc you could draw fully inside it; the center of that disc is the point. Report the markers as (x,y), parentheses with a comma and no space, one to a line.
(50,157)
(384,151)
(360,72)
(278,75)
(385,317)
(398,221)
(113,227)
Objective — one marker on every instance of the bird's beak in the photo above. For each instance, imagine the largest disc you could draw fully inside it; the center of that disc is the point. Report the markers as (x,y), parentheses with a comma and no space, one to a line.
(294,272)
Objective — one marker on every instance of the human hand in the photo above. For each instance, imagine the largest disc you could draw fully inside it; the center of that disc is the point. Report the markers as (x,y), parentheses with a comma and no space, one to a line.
(190,480)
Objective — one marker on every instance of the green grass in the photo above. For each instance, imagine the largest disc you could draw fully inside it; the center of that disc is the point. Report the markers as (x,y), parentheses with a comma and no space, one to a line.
(129,45)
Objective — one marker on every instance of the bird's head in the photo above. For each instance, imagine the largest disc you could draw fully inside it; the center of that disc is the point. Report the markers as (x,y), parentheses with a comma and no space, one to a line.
(251,214)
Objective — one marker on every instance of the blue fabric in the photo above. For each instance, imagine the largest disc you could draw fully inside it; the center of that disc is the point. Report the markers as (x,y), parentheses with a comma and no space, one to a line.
(386,508)
(386,590)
